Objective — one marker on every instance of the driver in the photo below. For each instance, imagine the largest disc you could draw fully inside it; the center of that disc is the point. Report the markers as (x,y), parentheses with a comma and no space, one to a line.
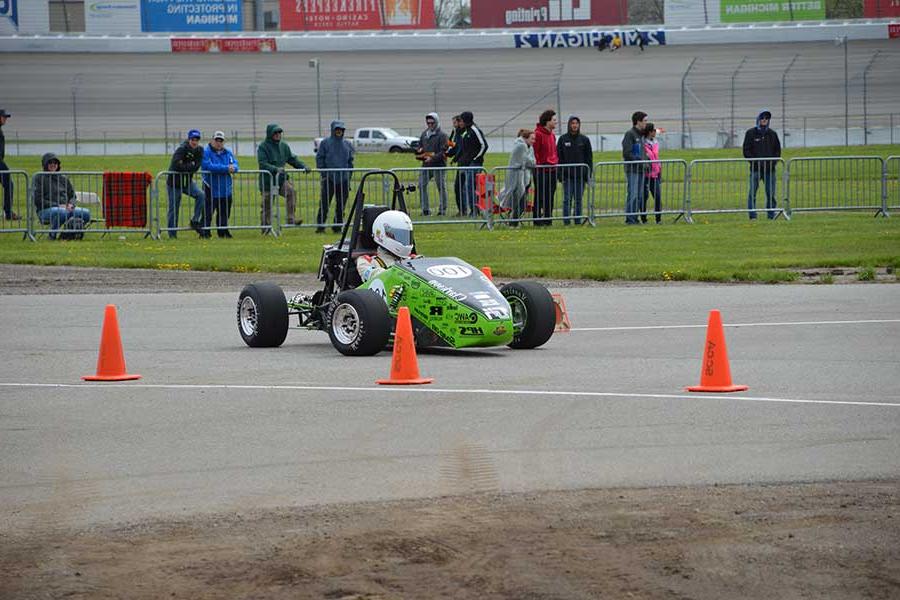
(393,232)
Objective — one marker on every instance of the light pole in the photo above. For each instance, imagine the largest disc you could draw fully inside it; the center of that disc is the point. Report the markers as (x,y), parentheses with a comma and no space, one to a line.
(314,63)
(842,41)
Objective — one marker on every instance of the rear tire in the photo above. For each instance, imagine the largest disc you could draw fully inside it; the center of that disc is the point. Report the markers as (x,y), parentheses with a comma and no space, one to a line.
(359,323)
(533,313)
(262,315)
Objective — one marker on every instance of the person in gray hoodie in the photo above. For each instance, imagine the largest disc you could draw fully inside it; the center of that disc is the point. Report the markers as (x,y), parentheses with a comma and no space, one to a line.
(518,176)
(433,144)
(333,158)
(54,197)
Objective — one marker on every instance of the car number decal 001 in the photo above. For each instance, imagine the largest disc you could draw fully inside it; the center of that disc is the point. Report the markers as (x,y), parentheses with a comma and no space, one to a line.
(449,271)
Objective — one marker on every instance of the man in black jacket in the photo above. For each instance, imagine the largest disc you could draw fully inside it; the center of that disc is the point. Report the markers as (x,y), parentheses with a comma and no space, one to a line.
(470,153)
(573,148)
(185,162)
(762,142)
(5,180)
(633,152)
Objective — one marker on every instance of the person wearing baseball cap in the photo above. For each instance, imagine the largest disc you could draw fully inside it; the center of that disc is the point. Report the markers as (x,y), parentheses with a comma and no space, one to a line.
(218,165)
(5,180)
(186,161)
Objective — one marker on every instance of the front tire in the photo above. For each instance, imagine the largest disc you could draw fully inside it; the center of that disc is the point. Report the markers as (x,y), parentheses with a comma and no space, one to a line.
(359,323)
(395,149)
(262,315)
(533,313)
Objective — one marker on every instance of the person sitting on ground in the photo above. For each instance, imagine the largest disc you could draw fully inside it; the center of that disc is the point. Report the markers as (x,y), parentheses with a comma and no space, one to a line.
(54,197)
(393,233)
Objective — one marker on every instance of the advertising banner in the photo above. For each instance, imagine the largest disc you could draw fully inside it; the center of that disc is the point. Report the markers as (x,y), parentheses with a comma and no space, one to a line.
(9,11)
(587,39)
(191,15)
(224,45)
(548,13)
(894,31)
(331,15)
(878,9)
(112,16)
(21,17)
(763,11)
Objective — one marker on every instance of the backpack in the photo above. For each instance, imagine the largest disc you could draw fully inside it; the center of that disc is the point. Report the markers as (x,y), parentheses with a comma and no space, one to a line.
(73,229)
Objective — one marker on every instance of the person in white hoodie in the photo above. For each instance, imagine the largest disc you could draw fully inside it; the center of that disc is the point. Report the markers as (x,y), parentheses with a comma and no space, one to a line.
(518,176)
(433,144)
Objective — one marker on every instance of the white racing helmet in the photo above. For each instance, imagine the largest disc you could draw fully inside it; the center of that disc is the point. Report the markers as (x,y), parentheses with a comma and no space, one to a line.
(393,231)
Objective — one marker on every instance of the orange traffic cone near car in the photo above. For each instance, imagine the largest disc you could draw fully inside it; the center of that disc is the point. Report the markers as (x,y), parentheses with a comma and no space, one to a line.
(715,374)
(111,362)
(404,365)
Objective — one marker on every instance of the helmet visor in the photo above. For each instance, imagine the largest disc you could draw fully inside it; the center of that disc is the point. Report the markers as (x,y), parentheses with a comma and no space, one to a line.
(401,235)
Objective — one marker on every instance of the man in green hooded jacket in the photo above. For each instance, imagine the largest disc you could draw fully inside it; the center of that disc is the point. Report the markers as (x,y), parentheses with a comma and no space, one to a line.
(273,155)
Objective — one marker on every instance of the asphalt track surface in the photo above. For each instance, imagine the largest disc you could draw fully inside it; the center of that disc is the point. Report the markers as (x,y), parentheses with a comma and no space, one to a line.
(215,426)
(122,94)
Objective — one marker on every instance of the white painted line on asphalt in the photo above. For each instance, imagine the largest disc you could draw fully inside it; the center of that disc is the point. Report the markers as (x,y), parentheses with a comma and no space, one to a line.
(787,324)
(431,390)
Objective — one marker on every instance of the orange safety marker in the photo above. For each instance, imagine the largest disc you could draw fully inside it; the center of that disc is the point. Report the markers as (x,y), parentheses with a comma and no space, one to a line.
(487,273)
(111,361)
(404,364)
(715,374)
(563,324)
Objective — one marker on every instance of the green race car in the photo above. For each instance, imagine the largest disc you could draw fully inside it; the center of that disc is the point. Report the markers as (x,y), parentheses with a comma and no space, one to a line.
(452,304)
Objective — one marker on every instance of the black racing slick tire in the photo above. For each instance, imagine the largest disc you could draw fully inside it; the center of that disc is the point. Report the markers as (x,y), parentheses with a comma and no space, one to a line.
(359,323)
(533,313)
(262,315)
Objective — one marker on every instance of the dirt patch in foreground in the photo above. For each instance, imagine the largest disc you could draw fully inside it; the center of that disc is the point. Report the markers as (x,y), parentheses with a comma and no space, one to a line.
(832,540)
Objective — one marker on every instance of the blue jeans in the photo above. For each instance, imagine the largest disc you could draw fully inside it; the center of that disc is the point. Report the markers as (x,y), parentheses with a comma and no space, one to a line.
(769,179)
(57,216)
(573,190)
(467,187)
(633,200)
(439,178)
(175,193)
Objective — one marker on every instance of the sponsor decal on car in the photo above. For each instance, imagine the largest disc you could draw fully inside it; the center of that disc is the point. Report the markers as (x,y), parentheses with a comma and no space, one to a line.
(446,289)
(449,271)
(471,331)
(500,331)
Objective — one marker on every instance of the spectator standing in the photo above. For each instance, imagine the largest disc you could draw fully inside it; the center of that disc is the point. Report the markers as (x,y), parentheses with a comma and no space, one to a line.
(653,182)
(574,148)
(186,161)
(546,160)
(633,150)
(334,153)
(762,142)
(452,153)
(219,164)
(433,144)
(5,180)
(273,154)
(518,175)
(54,196)
(470,154)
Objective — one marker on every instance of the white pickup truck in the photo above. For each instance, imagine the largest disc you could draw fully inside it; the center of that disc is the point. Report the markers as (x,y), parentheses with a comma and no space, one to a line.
(379,139)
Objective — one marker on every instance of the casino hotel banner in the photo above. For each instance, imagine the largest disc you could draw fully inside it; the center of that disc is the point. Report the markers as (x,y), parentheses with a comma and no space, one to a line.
(879,9)
(547,13)
(771,11)
(191,15)
(343,15)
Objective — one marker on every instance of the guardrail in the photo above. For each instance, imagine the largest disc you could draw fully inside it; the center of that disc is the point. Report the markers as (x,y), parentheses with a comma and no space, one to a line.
(836,183)
(137,202)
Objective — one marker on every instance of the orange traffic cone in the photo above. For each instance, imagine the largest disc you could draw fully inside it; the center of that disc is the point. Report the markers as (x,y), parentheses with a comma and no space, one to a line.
(715,374)
(111,362)
(487,273)
(404,365)
(563,323)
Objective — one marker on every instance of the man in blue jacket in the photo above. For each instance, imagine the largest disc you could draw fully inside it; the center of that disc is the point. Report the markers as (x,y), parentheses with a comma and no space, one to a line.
(218,165)
(334,153)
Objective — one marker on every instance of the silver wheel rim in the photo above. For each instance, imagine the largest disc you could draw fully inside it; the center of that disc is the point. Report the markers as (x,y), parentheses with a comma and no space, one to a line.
(519,313)
(345,324)
(249,316)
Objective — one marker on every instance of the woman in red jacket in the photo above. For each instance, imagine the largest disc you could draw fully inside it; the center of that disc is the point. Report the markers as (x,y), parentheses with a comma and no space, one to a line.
(546,159)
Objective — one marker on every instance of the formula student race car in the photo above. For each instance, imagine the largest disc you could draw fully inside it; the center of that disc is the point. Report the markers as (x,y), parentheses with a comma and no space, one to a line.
(452,304)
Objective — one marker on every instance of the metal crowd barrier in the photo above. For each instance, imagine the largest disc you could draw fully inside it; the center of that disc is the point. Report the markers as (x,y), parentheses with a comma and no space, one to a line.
(16,201)
(658,196)
(553,193)
(312,188)
(105,203)
(736,185)
(218,215)
(892,183)
(836,183)
(443,194)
